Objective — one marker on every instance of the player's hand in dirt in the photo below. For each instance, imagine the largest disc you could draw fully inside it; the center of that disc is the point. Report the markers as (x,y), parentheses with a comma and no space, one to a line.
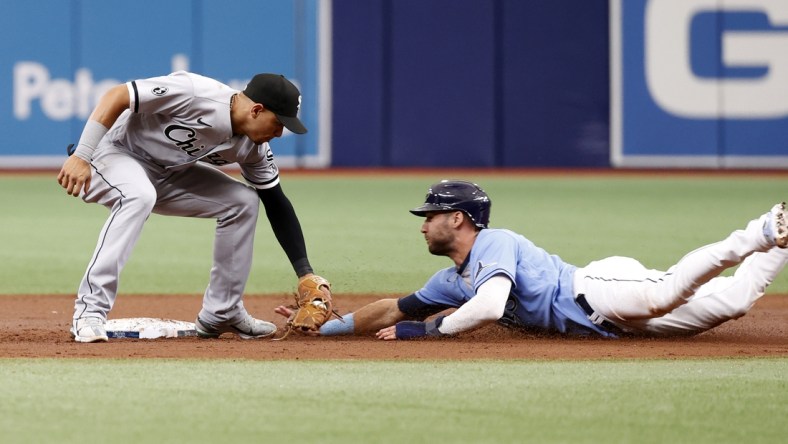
(74,176)
(387,334)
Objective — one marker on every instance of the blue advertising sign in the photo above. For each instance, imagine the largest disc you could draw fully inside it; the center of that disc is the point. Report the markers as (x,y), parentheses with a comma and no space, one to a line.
(699,83)
(58,58)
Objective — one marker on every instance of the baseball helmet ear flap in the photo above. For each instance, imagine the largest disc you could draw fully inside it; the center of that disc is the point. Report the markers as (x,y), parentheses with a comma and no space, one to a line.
(457,195)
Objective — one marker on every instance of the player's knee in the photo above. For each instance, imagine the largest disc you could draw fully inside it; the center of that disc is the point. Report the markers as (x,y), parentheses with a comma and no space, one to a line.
(249,200)
(736,314)
(141,198)
(739,307)
(245,203)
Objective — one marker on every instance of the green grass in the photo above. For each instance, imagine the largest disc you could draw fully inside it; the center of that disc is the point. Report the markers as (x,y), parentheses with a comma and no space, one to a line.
(361,236)
(706,401)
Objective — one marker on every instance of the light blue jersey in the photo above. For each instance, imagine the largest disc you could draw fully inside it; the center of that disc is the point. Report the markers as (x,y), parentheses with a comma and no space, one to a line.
(542,296)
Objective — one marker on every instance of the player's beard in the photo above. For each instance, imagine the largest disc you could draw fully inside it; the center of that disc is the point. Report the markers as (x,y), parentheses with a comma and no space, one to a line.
(441,243)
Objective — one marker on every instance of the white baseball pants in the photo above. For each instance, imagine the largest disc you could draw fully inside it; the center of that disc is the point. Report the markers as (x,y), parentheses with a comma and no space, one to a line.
(690,297)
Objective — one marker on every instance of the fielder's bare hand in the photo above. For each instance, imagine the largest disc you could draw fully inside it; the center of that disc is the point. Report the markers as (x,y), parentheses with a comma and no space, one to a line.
(74,176)
(284,310)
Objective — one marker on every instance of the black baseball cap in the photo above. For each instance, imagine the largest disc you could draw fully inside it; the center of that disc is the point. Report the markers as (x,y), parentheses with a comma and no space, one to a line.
(280,96)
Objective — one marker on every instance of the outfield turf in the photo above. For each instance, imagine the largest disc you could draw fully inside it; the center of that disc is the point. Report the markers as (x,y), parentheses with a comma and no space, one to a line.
(708,401)
(360,235)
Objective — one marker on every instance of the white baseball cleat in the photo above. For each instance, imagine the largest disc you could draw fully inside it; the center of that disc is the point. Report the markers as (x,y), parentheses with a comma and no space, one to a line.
(247,328)
(775,228)
(90,329)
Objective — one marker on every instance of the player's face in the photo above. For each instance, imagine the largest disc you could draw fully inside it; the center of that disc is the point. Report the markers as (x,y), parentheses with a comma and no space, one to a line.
(438,233)
(264,127)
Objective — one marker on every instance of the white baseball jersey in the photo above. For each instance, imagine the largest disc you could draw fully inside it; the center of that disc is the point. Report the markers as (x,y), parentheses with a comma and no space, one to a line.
(176,120)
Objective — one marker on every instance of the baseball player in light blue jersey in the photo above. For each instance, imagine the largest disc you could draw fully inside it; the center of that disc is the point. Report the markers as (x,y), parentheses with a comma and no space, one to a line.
(151,145)
(500,276)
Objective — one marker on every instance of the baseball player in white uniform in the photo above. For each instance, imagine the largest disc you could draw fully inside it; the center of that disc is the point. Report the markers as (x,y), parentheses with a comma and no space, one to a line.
(151,145)
(500,276)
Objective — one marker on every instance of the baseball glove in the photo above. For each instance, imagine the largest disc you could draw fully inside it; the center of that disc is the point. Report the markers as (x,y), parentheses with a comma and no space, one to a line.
(314,306)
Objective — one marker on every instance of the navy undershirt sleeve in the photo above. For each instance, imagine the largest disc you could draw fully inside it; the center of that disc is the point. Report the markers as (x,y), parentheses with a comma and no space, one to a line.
(416,309)
(286,227)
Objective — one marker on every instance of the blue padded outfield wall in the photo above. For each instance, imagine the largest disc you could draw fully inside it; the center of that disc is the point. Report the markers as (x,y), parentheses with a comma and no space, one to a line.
(428,83)
(58,57)
(470,83)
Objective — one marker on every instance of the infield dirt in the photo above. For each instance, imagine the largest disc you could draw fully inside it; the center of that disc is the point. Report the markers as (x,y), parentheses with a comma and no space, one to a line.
(37,326)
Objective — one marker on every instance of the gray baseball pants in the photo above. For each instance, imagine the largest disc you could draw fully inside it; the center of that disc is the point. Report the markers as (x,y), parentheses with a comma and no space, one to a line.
(131,189)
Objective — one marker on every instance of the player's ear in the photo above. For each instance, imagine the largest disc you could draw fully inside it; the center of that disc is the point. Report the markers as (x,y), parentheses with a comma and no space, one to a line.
(457,218)
(257,109)
(466,219)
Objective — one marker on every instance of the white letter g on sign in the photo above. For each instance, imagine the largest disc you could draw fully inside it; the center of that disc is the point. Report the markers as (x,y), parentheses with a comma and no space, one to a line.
(677,90)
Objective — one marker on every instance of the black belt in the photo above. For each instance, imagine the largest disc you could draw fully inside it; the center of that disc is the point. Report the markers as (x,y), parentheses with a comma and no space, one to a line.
(607,325)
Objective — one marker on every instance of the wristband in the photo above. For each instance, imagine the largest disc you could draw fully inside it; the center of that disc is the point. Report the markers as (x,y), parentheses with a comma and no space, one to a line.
(91,136)
(433,326)
(338,327)
(416,329)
